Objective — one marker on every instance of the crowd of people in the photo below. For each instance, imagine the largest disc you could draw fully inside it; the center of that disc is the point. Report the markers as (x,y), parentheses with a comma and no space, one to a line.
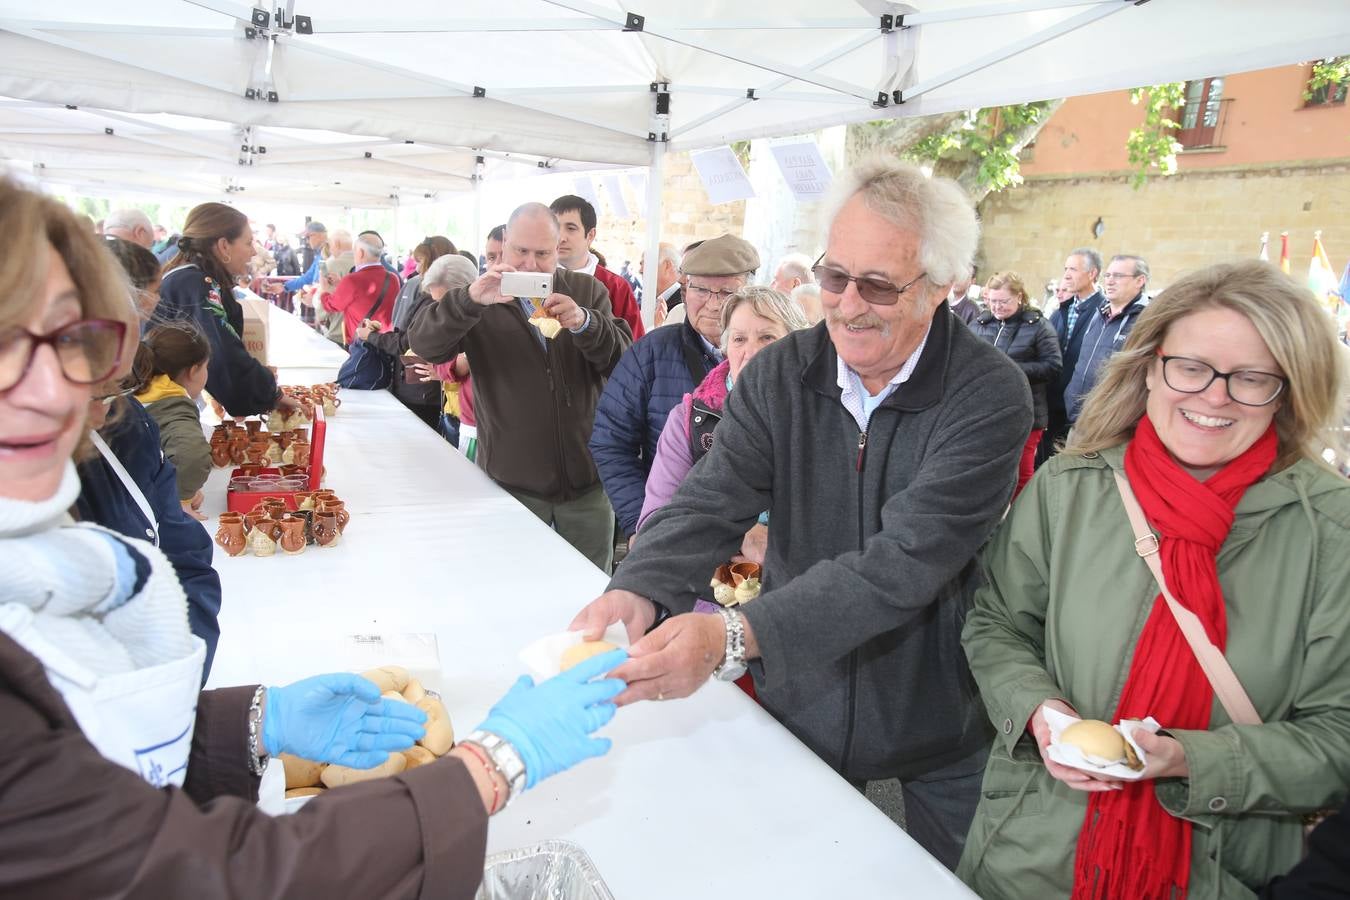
(936,489)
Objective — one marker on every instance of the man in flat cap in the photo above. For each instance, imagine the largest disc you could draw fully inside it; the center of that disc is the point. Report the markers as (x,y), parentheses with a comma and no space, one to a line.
(884,444)
(658,370)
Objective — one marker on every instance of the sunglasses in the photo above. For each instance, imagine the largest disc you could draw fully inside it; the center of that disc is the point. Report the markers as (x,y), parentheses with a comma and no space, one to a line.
(877,291)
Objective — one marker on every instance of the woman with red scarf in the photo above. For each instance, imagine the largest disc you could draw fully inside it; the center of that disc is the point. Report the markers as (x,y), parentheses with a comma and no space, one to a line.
(1216,411)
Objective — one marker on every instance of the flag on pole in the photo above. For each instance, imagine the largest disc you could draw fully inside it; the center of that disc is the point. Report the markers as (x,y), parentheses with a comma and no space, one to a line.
(1321,277)
(1264,253)
(1344,289)
(1284,252)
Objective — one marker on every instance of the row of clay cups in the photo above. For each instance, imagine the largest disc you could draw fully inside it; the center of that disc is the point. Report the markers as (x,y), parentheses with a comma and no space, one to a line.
(292,532)
(269,483)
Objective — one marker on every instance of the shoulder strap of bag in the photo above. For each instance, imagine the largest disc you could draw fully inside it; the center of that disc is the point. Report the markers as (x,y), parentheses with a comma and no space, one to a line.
(1221,677)
(133,489)
(379,298)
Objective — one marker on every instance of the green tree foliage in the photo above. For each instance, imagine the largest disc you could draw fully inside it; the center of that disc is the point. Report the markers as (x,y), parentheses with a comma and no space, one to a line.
(1329,80)
(984,145)
(1153,144)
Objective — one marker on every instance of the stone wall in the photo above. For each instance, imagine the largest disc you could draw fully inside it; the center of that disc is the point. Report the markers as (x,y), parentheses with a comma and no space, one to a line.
(686,216)
(1178,223)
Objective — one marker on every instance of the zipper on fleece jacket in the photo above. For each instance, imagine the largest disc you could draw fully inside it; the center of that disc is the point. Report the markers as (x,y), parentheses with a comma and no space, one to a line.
(564,483)
(851,719)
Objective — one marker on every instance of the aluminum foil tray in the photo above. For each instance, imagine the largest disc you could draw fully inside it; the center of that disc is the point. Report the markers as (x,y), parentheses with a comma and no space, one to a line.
(552,870)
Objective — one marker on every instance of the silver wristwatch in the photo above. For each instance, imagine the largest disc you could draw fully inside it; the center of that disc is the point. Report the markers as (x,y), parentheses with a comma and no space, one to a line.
(733,664)
(505,758)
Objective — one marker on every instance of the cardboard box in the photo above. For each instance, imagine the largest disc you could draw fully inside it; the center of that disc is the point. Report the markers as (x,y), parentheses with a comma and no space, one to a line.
(255,327)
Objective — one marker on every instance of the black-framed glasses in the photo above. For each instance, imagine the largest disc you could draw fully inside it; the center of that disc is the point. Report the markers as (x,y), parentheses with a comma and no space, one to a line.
(877,291)
(1118,276)
(1246,386)
(88,351)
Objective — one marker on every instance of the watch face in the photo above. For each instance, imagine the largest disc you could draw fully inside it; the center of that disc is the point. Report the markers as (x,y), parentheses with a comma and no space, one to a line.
(730,672)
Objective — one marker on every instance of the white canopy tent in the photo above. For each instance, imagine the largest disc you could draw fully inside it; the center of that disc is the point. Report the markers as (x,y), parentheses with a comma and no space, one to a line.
(563,82)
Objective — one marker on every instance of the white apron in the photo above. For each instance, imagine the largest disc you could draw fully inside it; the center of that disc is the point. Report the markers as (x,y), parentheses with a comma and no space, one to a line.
(141,720)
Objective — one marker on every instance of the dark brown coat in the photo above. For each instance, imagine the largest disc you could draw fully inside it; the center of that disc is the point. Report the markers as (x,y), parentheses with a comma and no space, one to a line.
(73,824)
(535,405)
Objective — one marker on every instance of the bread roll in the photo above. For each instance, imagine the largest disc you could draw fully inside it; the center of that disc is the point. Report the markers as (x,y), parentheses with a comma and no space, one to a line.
(440,736)
(304,792)
(388,678)
(1100,744)
(300,773)
(579,653)
(419,756)
(414,691)
(336,776)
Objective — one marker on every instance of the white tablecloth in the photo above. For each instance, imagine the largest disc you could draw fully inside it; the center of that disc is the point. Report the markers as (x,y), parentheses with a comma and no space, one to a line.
(707,796)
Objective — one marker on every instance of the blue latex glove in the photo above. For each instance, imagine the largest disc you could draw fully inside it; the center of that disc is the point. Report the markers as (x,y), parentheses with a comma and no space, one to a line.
(550,724)
(338,718)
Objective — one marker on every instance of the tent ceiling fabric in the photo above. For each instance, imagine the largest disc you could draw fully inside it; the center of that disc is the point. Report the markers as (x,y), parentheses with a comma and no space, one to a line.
(563,81)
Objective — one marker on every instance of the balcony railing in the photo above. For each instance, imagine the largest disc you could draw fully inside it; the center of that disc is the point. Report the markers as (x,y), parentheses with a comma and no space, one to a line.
(1208,130)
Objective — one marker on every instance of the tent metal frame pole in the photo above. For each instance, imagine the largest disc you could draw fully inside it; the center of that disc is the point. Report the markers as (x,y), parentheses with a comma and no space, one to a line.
(842,50)
(998,9)
(685,40)
(479,168)
(441,26)
(656,170)
(1068,26)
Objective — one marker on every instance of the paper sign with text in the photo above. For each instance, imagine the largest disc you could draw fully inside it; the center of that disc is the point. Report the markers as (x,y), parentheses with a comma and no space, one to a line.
(722,175)
(803,168)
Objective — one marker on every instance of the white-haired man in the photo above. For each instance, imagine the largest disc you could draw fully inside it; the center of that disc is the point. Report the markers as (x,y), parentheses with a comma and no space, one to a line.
(368,293)
(885,449)
(130,224)
(793,270)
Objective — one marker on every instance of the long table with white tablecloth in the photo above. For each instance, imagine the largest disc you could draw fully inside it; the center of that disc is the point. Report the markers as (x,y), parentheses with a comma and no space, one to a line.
(702,797)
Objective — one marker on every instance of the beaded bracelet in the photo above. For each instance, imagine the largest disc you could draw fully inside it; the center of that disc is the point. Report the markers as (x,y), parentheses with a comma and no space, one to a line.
(492,772)
(257,760)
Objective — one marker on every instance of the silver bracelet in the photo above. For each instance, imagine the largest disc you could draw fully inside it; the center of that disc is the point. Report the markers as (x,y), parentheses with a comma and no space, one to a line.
(257,760)
(506,760)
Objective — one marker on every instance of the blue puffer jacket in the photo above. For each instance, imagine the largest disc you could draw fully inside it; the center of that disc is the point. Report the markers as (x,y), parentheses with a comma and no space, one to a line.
(239,382)
(134,440)
(651,377)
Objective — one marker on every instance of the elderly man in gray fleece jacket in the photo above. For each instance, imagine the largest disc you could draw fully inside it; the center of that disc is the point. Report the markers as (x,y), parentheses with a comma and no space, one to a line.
(884,443)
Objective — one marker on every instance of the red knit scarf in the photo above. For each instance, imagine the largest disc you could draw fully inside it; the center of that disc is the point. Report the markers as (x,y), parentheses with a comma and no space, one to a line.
(1129,846)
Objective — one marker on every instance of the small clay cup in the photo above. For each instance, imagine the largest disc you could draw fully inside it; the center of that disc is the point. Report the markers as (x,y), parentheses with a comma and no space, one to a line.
(292,535)
(253,426)
(338,508)
(326,531)
(230,534)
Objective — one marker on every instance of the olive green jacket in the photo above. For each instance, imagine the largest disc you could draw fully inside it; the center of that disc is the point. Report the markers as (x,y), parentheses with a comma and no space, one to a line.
(1065,601)
(182,440)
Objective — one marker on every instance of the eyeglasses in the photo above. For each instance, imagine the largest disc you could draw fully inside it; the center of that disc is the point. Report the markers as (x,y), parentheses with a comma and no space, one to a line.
(88,351)
(701,293)
(877,291)
(1117,276)
(1246,386)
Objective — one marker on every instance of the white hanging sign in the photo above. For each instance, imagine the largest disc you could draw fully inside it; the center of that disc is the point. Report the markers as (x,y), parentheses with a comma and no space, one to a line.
(584,187)
(614,191)
(722,175)
(638,182)
(803,168)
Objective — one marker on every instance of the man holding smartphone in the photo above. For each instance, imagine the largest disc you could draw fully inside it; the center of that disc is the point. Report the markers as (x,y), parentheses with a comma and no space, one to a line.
(535,396)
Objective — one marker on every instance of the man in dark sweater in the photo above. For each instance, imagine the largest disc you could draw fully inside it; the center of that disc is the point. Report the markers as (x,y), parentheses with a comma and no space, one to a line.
(535,396)
(884,444)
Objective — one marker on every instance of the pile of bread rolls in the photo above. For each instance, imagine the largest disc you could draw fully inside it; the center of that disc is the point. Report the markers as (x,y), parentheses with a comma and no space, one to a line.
(305,778)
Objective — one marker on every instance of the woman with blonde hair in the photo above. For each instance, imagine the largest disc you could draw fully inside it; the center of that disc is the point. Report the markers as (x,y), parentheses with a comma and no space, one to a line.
(1020,330)
(752,318)
(215,249)
(1214,416)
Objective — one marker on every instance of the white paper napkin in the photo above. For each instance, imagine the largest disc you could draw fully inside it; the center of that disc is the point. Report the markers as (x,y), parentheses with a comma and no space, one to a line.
(1069,755)
(543,658)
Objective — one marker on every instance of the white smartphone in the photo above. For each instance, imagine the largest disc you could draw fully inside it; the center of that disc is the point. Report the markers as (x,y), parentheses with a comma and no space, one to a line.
(537,285)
